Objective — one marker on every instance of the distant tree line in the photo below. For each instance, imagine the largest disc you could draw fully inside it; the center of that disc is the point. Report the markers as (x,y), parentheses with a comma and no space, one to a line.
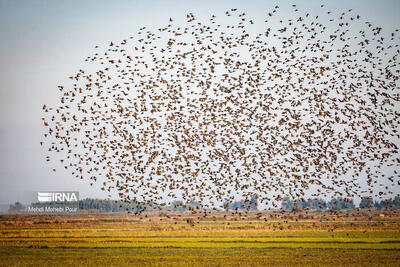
(245,204)
(108,205)
(179,205)
(316,204)
(388,204)
(338,204)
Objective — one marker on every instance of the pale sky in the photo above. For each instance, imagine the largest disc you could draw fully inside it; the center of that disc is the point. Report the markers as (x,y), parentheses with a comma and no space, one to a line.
(44,42)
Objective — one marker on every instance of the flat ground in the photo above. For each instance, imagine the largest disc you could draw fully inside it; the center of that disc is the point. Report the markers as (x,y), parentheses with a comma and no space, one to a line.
(347,238)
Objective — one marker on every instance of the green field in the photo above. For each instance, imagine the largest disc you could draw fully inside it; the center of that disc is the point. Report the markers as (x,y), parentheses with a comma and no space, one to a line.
(185,239)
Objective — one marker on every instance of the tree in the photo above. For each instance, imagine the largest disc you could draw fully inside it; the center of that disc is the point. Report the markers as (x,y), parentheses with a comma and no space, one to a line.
(341,203)
(287,203)
(366,202)
(17,207)
(317,204)
(388,203)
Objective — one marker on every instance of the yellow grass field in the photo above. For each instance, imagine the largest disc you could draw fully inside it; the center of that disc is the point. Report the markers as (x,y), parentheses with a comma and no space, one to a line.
(255,239)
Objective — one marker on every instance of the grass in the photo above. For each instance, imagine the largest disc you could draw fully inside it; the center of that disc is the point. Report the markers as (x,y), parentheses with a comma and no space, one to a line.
(198,256)
(219,239)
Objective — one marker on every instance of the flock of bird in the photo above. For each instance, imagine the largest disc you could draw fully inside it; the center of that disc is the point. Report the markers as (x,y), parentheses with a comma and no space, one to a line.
(216,111)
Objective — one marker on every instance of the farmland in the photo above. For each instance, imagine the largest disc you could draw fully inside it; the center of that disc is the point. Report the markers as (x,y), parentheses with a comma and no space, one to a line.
(220,238)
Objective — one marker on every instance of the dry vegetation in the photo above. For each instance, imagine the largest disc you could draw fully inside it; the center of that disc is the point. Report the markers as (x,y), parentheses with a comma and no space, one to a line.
(366,237)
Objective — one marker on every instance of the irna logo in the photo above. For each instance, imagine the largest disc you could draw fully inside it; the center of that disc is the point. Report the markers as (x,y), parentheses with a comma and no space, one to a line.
(59,196)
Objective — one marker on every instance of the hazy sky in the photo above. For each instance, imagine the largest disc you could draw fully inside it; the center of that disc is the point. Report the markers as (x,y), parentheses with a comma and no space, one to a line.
(44,42)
